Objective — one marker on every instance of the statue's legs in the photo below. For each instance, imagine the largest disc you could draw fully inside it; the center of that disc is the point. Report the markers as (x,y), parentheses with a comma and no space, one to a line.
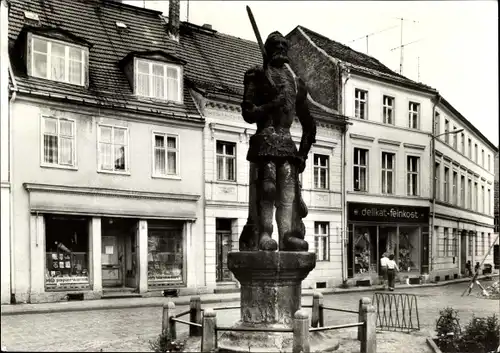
(249,238)
(267,197)
(286,188)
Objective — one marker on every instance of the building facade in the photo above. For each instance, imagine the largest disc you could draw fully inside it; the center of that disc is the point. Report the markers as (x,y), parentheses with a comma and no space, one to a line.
(107,193)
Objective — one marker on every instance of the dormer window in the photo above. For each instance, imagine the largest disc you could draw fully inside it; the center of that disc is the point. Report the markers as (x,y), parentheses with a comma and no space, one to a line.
(58,61)
(158,80)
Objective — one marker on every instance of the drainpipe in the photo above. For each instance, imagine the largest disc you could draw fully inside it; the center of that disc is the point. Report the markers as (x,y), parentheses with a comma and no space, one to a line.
(11,198)
(343,232)
(433,180)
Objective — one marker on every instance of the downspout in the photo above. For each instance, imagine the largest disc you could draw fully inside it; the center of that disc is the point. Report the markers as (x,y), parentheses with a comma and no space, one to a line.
(433,179)
(11,197)
(343,232)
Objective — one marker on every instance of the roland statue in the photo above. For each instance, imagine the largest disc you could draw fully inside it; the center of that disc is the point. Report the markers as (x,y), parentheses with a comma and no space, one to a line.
(273,97)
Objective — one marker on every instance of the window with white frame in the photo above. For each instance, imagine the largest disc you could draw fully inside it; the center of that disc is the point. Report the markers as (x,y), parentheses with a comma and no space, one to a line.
(58,61)
(462,190)
(446,242)
(446,131)
(158,80)
(455,138)
(470,243)
(360,176)
(482,199)
(469,148)
(322,241)
(462,142)
(412,170)
(165,154)
(454,242)
(58,141)
(482,158)
(413,115)
(469,194)
(455,187)
(113,148)
(361,104)
(388,110)
(476,198)
(489,163)
(226,161)
(488,201)
(446,184)
(476,155)
(388,172)
(321,167)
(437,123)
(437,180)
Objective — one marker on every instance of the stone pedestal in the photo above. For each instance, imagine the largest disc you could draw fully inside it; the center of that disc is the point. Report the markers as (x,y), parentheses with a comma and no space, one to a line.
(270,295)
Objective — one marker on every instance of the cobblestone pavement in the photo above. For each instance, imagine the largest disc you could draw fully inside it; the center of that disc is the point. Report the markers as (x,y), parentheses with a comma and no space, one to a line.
(132,329)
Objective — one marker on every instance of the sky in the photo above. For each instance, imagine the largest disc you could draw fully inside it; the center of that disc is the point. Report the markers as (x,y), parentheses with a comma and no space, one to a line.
(449,45)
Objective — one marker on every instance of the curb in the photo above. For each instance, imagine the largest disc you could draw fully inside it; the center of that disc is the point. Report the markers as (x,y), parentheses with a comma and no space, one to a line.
(107,304)
(432,345)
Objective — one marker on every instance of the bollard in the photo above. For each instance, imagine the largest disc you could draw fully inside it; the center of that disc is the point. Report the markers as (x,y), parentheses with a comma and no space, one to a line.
(195,315)
(301,332)
(209,332)
(168,326)
(317,310)
(369,338)
(362,301)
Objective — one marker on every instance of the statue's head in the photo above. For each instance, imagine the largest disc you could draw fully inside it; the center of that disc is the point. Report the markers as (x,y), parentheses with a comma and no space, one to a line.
(276,49)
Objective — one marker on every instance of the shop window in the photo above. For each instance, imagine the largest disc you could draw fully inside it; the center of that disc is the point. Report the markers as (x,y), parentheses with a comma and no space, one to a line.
(360,169)
(165,255)
(408,259)
(365,243)
(67,253)
(322,241)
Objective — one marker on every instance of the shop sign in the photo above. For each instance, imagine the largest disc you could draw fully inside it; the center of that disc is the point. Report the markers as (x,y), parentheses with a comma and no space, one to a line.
(366,212)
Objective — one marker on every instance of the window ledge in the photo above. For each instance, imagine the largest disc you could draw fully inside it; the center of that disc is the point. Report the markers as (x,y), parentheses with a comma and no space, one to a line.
(325,190)
(171,177)
(114,172)
(58,166)
(228,182)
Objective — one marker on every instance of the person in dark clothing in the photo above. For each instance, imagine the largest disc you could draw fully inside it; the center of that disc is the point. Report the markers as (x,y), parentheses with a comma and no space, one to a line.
(392,267)
(468,269)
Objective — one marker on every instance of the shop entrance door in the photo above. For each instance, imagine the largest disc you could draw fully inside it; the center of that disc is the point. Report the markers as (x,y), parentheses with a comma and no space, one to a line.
(112,261)
(223,244)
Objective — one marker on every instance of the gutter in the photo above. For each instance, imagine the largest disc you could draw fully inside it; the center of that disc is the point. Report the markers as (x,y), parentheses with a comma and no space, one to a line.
(433,181)
(11,197)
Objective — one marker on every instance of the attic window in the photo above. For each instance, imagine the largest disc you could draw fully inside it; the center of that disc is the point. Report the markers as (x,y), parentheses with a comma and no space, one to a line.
(31,16)
(121,25)
(56,60)
(158,80)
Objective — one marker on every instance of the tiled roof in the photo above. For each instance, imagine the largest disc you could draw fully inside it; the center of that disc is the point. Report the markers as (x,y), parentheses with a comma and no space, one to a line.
(359,61)
(95,22)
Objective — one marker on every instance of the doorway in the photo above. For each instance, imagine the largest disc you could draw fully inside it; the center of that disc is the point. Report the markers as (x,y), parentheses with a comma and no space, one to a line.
(118,253)
(463,254)
(223,245)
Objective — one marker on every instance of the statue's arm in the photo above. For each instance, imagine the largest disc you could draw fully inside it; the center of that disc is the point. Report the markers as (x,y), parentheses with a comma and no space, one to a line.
(306,120)
(254,82)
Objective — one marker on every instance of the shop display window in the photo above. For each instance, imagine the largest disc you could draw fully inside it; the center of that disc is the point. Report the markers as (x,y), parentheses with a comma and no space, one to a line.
(165,256)
(364,244)
(408,254)
(67,257)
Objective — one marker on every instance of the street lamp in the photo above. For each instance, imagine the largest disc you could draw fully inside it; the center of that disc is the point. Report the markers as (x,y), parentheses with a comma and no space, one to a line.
(433,167)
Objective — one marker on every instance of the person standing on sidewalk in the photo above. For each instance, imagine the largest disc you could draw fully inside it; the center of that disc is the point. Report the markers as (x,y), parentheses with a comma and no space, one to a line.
(391,271)
(383,269)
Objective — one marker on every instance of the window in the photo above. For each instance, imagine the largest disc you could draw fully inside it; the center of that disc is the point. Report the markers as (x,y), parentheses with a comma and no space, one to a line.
(454,243)
(489,163)
(58,141)
(469,238)
(360,169)
(446,242)
(388,172)
(58,61)
(455,188)
(166,154)
(321,241)
(482,159)
(412,172)
(437,123)
(414,114)
(388,110)
(455,138)
(488,207)
(446,131)
(226,161)
(476,198)
(321,163)
(361,104)
(476,158)
(469,194)
(113,148)
(469,148)
(446,184)
(437,180)
(165,254)
(158,80)
(462,191)
(482,198)
(489,241)
(462,142)
(483,244)
(476,245)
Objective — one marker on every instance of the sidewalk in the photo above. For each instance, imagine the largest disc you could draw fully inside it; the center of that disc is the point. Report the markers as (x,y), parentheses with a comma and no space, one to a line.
(124,303)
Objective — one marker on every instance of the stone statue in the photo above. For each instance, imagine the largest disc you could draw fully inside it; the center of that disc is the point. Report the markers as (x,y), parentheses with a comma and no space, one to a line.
(273,96)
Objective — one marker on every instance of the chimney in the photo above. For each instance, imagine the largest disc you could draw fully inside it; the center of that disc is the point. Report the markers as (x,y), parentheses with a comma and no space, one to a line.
(207,26)
(174,18)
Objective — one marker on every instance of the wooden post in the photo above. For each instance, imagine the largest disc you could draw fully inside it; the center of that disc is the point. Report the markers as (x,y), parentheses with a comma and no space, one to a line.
(301,332)
(168,326)
(315,310)
(369,339)
(195,315)
(209,332)
(321,311)
(362,301)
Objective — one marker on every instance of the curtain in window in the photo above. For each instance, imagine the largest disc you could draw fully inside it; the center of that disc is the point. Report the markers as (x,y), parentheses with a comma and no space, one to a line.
(40,58)
(75,65)
(57,57)
(158,81)
(50,141)
(173,84)
(105,148)
(172,155)
(66,137)
(143,78)
(160,154)
(119,149)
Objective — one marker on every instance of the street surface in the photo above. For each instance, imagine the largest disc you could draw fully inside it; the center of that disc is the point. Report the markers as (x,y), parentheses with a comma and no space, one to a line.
(132,329)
